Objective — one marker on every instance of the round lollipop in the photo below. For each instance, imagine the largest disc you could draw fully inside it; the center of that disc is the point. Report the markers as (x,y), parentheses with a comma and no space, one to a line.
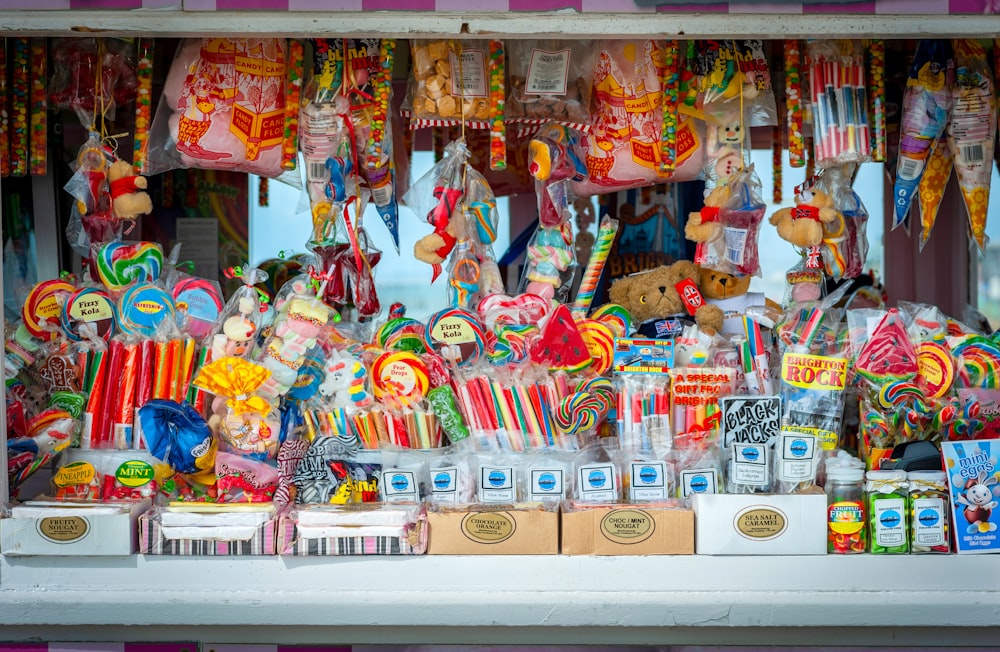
(43,306)
(460,331)
(401,334)
(616,317)
(120,264)
(142,308)
(201,302)
(600,341)
(88,306)
(400,376)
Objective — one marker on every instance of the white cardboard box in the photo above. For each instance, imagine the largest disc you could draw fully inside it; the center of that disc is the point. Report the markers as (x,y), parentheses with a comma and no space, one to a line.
(760,524)
(47,528)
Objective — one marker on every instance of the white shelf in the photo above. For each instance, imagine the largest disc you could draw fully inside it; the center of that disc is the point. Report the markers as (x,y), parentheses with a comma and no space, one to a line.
(508,25)
(529,599)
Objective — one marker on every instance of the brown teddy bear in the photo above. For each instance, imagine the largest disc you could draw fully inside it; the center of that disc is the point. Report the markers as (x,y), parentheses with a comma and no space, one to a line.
(803,225)
(731,295)
(704,226)
(129,198)
(653,300)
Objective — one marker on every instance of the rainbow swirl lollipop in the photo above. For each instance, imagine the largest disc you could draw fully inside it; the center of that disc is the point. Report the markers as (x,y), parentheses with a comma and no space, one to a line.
(88,306)
(120,264)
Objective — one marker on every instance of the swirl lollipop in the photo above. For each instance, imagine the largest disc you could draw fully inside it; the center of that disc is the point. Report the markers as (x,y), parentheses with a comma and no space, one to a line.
(120,264)
(42,307)
(400,376)
(460,331)
(88,306)
(600,341)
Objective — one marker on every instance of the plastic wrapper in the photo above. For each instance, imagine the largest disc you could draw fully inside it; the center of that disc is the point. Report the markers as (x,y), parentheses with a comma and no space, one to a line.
(841,130)
(244,480)
(438,195)
(694,398)
(244,420)
(796,460)
(933,182)
(223,107)
(550,81)
(644,423)
(697,463)
(845,239)
(803,284)
(972,132)
(44,436)
(92,76)
(343,129)
(176,434)
(731,69)
(551,263)
(334,471)
(623,149)
(449,83)
(451,477)
(597,475)
(812,396)
(647,478)
(404,475)
(296,330)
(236,329)
(927,104)
(749,468)
(732,248)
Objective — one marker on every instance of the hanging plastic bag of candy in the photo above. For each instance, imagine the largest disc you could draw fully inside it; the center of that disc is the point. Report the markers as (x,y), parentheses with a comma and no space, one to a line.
(438,195)
(841,132)
(735,75)
(92,77)
(223,107)
(927,105)
(550,82)
(624,147)
(449,83)
(736,95)
(350,98)
(730,221)
(845,238)
(347,260)
(972,132)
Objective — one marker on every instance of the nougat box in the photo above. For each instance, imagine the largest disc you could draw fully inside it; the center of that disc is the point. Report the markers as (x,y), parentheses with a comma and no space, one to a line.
(665,528)
(494,529)
(50,527)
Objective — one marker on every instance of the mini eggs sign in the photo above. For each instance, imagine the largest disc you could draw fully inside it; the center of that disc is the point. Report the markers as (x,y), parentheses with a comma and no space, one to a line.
(974,481)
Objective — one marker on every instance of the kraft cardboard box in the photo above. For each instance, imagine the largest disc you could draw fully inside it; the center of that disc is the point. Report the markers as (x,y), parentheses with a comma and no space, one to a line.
(522,529)
(760,524)
(622,529)
(46,527)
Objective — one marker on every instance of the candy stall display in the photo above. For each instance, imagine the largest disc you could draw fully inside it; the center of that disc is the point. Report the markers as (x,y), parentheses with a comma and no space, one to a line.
(526,414)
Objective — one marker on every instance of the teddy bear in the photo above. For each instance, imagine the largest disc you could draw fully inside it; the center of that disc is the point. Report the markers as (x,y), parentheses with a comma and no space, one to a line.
(730,293)
(129,198)
(654,301)
(449,222)
(803,225)
(704,226)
